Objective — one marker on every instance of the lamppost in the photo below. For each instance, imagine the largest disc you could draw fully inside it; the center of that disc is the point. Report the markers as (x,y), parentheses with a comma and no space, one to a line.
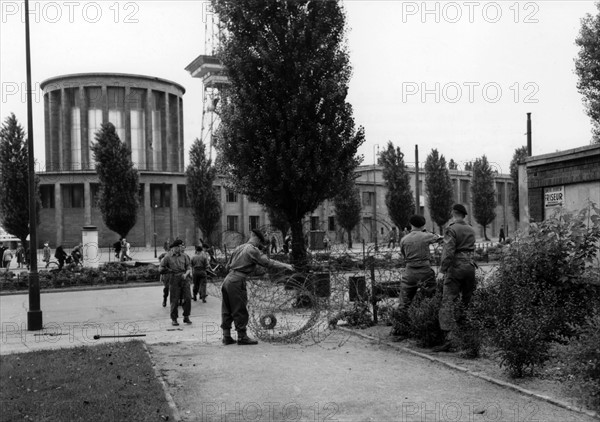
(375,193)
(155,207)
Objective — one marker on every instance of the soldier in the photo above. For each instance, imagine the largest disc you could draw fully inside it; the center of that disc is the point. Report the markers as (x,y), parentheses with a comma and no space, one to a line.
(414,248)
(392,238)
(243,261)
(200,264)
(163,277)
(457,270)
(177,268)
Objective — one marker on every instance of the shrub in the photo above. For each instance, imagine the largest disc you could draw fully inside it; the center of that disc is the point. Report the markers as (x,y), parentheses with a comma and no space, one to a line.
(423,321)
(358,316)
(582,361)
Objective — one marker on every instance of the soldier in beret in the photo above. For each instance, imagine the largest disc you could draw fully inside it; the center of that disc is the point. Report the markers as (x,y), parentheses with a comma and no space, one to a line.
(457,270)
(177,270)
(414,248)
(242,262)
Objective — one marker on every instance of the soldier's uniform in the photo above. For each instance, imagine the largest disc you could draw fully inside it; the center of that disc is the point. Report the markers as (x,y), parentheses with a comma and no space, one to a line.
(418,273)
(200,265)
(173,267)
(243,262)
(459,269)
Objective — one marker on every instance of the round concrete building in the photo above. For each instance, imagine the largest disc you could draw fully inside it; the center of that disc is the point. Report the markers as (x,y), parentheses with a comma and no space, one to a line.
(147,113)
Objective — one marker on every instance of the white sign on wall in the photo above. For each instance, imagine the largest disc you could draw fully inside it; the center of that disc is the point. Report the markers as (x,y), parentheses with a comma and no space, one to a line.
(554,196)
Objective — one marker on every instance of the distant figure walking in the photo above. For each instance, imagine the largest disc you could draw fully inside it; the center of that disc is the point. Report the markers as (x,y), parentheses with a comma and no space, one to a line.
(392,238)
(46,254)
(117,247)
(61,256)
(20,255)
(501,237)
(273,244)
(7,257)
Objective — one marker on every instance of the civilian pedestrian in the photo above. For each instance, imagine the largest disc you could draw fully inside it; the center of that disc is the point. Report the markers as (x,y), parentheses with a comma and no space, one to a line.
(46,254)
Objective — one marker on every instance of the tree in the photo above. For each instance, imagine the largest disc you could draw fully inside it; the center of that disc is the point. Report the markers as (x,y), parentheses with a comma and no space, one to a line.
(399,197)
(119,182)
(200,174)
(587,68)
(348,208)
(518,155)
(287,135)
(438,187)
(484,196)
(14,180)
(452,164)
(469,166)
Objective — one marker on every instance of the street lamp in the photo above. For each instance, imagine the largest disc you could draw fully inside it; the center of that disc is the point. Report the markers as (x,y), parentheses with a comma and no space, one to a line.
(155,207)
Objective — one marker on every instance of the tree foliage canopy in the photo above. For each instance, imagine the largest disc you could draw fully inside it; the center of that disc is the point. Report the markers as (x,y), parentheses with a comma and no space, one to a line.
(518,155)
(14,180)
(348,208)
(118,198)
(399,197)
(438,187)
(287,136)
(200,174)
(483,193)
(587,68)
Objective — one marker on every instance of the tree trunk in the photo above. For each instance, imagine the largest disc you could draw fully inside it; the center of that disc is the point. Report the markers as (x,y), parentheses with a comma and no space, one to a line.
(485,234)
(349,239)
(298,253)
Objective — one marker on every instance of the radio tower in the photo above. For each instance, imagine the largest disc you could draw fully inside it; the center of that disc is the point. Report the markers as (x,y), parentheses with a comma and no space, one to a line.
(208,68)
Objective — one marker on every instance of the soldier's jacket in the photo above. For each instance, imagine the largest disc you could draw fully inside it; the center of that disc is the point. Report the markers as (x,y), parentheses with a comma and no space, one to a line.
(174,265)
(415,248)
(459,244)
(246,257)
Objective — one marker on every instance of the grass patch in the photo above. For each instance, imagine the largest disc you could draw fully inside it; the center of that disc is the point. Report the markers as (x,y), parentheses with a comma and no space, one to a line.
(108,382)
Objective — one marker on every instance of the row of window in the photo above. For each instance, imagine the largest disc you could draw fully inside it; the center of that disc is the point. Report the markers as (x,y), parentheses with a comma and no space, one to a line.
(254,223)
(73,195)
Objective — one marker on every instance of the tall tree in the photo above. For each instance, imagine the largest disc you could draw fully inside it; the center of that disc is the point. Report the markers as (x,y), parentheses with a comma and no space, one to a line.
(14,180)
(200,174)
(587,67)
(399,197)
(518,155)
(119,181)
(483,193)
(438,187)
(348,208)
(287,135)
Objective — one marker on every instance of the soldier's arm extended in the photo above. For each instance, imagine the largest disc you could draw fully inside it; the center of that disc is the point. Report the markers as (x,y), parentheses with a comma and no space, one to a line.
(449,251)
(264,261)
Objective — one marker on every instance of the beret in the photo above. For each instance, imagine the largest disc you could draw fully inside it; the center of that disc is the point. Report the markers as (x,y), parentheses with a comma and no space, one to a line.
(177,242)
(259,234)
(459,208)
(417,220)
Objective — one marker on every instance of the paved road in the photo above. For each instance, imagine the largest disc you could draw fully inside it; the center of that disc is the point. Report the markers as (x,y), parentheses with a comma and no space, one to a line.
(343,378)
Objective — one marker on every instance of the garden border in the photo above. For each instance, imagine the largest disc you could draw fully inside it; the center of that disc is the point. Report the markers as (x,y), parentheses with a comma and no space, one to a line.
(487,378)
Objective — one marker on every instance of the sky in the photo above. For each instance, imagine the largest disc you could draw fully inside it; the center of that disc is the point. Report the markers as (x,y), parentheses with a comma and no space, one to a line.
(459,77)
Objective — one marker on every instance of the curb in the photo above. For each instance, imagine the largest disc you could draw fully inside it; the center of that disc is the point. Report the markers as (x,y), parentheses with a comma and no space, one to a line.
(168,397)
(487,378)
(83,288)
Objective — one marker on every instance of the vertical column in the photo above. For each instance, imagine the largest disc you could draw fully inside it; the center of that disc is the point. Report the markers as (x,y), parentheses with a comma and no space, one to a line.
(87,203)
(127,116)
(47,133)
(180,146)
(65,139)
(104,104)
(58,216)
(148,217)
(85,144)
(174,211)
(167,148)
(150,142)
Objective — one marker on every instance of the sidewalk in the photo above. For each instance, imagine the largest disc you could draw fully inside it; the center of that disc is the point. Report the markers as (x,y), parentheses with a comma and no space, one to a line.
(344,377)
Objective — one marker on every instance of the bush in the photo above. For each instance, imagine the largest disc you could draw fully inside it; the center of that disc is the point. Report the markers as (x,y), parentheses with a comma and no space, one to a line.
(582,361)
(358,316)
(423,322)
(542,288)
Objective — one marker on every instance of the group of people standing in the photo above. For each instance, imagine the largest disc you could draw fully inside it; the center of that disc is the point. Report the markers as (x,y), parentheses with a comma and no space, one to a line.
(178,272)
(456,272)
(122,249)
(7,255)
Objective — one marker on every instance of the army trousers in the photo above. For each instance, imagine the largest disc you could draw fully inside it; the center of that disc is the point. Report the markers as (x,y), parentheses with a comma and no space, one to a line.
(458,283)
(179,287)
(233,305)
(416,278)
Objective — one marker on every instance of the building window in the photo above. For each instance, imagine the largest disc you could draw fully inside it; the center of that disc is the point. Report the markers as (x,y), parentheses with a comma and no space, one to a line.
(116,105)
(75,138)
(231,196)
(331,224)
(367,198)
(500,191)
(464,191)
(254,222)
(182,197)
(157,128)
(138,138)
(94,194)
(160,195)
(314,223)
(73,196)
(232,223)
(47,196)
(94,116)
